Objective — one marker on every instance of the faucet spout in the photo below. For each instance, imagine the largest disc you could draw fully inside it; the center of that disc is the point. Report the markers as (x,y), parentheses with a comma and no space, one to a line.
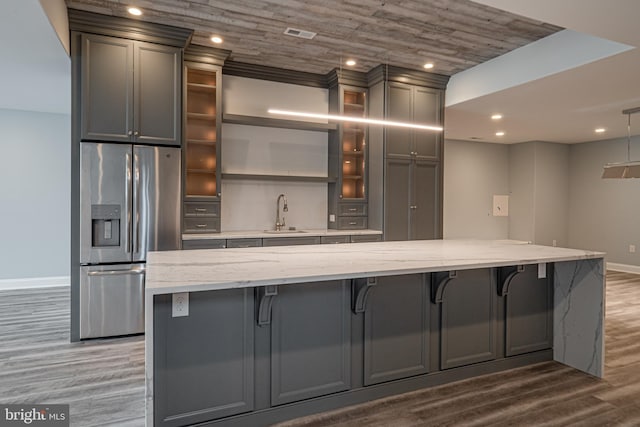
(280,221)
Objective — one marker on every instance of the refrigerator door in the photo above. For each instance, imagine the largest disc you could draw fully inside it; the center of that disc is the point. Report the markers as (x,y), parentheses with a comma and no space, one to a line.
(105,203)
(156,200)
(111,300)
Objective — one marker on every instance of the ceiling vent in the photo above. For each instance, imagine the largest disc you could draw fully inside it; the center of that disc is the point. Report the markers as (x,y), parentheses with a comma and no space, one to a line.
(300,33)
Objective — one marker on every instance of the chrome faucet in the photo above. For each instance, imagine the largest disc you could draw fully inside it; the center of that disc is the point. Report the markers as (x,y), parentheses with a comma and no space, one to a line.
(285,208)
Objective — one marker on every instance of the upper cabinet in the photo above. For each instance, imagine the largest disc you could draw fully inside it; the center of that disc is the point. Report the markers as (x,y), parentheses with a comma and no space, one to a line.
(131,91)
(414,104)
(348,158)
(202,117)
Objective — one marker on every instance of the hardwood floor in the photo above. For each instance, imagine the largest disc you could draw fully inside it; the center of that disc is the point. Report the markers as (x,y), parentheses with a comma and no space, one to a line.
(103,380)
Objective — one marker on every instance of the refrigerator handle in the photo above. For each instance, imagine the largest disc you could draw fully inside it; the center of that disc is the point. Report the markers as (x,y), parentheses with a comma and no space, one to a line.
(116,272)
(136,198)
(127,197)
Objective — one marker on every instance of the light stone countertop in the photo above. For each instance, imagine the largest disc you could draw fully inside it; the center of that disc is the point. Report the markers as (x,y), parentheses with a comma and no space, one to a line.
(215,269)
(261,234)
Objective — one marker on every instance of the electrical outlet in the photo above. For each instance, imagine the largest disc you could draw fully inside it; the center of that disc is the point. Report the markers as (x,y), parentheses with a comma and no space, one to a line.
(632,249)
(180,304)
(555,243)
(332,218)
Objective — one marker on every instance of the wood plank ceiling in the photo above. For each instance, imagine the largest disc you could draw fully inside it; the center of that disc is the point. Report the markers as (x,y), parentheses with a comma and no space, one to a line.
(453,34)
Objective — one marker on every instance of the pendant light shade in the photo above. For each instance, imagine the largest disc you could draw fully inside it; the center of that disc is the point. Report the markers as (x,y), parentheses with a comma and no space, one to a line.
(626,169)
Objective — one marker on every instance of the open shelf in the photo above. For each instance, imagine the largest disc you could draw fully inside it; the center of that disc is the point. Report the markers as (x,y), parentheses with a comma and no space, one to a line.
(201,141)
(201,116)
(268,177)
(277,123)
(200,87)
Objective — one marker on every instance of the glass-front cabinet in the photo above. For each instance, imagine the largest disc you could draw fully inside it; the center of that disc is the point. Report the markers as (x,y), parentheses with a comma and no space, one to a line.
(348,160)
(202,148)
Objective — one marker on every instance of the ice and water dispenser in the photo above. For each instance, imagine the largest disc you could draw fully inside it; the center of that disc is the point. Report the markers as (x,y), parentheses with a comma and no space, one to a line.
(105,225)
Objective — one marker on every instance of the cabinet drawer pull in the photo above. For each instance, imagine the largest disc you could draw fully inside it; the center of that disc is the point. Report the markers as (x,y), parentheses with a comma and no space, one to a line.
(200,209)
(201,225)
(352,209)
(353,223)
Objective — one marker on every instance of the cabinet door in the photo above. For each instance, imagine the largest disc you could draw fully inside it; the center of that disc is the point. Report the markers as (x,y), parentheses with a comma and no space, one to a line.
(107,88)
(399,108)
(396,329)
(158,83)
(397,199)
(468,318)
(203,362)
(426,110)
(310,341)
(529,311)
(425,204)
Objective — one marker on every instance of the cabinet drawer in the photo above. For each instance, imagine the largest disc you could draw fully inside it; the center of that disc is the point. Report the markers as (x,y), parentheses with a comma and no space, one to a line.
(203,244)
(352,209)
(366,238)
(201,209)
(352,223)
(288,241)
(244,243)
(202,225)
(335,239)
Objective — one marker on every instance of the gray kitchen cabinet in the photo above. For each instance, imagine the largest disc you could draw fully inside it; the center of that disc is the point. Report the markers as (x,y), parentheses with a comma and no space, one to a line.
(467,301)
(205,370)
(288,241)
(335,239)
(244,243)
(204,244)
(529,308)
(396,328)
(348,154)
(130,90)
(310,341)
(413,104)
(412,208)
(363,238)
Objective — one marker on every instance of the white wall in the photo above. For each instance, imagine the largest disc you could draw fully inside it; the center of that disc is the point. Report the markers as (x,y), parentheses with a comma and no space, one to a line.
(473,173)
(604,214)
(251,205)
(34,194)
(552,194)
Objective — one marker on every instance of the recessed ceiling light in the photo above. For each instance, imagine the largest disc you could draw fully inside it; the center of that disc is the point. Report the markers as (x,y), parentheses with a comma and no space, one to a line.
(500,133)
(350,62)
(428,65)
(134,11)
(216,39)
(600,130)
(496,116)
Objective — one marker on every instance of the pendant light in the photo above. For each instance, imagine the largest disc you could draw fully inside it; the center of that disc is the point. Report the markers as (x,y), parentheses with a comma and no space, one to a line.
(626,169)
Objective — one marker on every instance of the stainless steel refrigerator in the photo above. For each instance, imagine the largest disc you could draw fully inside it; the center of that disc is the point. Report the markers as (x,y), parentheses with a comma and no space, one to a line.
(129,205)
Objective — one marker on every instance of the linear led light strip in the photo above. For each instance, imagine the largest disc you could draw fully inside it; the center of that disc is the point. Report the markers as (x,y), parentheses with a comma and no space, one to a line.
(354,119)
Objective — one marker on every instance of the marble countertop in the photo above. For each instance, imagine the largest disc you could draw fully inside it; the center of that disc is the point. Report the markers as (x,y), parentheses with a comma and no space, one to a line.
(261,234)
(214,269)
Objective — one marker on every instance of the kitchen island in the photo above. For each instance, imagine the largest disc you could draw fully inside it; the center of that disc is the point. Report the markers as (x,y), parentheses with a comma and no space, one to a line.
(277,333)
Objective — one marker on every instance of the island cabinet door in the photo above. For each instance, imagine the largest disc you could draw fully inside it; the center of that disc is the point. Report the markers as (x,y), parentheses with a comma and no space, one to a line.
(204,362)
(310,341)
(528,295)
(468,320)
(396,328)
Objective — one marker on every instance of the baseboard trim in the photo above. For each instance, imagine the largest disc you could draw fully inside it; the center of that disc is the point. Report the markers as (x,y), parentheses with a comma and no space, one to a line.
(624,268)
(34,282)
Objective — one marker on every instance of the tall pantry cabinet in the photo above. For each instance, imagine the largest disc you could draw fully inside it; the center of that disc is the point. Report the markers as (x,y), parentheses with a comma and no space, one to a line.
(410,187)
